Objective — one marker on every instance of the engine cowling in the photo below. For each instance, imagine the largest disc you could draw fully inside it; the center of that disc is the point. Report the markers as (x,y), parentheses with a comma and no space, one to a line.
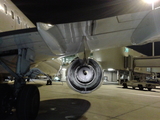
(84,78)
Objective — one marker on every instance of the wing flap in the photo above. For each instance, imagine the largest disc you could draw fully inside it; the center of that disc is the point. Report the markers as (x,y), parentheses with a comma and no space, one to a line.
(109,40)
(118,23)
(114,31)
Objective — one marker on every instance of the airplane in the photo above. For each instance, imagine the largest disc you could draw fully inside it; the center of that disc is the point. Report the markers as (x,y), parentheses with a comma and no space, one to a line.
(44,42)
(14,19)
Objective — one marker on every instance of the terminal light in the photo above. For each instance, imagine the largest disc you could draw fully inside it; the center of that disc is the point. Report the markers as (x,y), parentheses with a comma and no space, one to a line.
(111,69)
(56,78)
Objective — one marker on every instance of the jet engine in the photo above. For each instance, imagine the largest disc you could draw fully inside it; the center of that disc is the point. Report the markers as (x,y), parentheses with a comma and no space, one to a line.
(84,76)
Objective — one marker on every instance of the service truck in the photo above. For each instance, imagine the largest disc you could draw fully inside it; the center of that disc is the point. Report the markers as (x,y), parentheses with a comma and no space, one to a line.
(148,84)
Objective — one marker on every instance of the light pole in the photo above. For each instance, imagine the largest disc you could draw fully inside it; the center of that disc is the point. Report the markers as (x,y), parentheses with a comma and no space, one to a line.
(152,2)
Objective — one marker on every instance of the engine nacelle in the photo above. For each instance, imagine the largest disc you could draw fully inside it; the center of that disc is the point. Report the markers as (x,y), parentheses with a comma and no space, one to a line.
(84,78)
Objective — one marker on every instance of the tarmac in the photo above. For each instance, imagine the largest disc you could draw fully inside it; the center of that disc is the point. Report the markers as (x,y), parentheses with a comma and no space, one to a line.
(109,102)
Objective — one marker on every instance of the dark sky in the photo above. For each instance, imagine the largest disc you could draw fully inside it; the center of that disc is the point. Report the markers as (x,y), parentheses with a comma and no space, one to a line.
(147,49)
(64,11)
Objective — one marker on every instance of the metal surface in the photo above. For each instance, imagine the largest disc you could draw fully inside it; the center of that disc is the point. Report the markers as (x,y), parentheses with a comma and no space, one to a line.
(153,61)
(84,78)
(148,29)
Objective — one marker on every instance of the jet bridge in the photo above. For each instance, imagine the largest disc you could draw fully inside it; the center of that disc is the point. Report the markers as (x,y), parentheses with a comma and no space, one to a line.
(131,62)
(151,61)
(141,79)
(143,65)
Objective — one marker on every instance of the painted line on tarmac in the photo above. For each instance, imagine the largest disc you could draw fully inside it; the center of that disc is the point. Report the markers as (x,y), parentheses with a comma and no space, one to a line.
(143,95)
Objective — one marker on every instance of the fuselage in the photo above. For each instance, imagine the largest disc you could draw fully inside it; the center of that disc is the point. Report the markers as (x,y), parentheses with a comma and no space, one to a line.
(11,18)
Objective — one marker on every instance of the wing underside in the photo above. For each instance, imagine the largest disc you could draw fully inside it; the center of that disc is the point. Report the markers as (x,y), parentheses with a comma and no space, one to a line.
(66,39)
(27,38)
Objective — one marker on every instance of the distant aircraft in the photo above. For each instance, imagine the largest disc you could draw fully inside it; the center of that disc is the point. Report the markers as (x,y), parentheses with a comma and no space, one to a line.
(35,44)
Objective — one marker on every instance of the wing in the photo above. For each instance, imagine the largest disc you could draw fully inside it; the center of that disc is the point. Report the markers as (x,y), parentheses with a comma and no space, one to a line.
(100,34)
(66,39)
(115,31)
(149,28)
(11,42)
(45,41)
(27,38)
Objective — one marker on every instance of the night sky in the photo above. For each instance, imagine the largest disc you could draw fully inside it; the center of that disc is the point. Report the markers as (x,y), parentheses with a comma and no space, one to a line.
(147,49)
(64,11)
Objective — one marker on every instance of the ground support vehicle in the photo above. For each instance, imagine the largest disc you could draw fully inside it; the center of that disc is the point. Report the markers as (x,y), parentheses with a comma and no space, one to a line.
(149,84)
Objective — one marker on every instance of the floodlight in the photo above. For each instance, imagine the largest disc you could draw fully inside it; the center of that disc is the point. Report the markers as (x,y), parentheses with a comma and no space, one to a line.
(150,1)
